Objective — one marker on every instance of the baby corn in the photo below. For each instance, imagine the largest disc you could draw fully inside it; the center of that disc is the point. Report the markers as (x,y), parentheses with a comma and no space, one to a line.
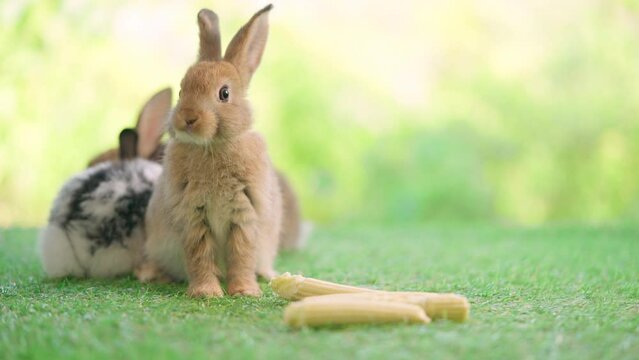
(295,287)
(437,306)
(352,311)
(447,306)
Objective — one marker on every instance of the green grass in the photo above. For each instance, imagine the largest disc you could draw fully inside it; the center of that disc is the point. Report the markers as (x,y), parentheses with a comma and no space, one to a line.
(560,292)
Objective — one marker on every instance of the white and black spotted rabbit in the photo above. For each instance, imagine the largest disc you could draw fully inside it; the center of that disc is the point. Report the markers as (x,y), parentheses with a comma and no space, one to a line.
(96,225)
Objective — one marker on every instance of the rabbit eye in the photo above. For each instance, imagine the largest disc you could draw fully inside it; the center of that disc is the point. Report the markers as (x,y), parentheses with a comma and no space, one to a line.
(224,94)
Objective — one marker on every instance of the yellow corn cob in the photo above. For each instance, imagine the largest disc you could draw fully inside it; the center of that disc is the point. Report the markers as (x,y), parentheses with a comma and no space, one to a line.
(352,311)
(295,287)
(437,306)
(447,306)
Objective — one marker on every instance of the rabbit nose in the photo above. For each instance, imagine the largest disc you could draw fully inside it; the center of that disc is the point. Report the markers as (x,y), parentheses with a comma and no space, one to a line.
(189,116)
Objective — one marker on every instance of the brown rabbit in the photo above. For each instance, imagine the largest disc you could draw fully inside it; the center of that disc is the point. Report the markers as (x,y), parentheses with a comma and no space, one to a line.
(217,207)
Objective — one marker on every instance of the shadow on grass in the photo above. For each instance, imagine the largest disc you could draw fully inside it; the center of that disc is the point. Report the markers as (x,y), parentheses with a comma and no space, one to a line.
(128,286)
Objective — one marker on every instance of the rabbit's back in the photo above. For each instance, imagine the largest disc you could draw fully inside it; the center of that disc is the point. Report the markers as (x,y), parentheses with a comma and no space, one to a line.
(96,225)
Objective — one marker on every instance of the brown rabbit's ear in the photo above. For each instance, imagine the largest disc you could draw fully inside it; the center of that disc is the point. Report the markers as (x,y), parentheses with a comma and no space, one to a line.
(246,49)
(210,44)
(128,144)
(151,125)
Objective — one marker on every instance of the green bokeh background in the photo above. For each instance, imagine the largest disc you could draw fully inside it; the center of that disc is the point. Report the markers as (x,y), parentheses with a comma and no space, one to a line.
(415,111)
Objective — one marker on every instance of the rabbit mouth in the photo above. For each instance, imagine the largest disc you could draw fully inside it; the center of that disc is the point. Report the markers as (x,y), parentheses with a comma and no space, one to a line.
(190,137)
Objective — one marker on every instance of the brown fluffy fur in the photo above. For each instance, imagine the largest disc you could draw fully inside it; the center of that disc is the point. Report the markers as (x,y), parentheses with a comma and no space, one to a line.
(291,229)
(217,208)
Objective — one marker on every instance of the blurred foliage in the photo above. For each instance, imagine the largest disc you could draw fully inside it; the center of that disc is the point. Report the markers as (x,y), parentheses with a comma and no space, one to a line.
(427,111)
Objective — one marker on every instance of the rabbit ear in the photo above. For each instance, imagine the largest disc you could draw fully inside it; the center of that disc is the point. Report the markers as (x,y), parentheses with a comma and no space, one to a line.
(210,44)
(128,144)
(246,49)
(150,125)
